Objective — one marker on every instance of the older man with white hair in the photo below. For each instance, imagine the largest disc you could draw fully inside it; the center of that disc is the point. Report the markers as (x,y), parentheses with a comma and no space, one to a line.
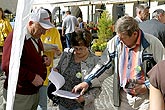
(142,13)
(155,26)
(32,71)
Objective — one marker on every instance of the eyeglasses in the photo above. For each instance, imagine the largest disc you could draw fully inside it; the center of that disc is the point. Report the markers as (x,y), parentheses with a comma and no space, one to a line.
(79,48)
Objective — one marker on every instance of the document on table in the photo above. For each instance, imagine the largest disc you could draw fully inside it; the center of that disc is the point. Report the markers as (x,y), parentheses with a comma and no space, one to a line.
(58,80)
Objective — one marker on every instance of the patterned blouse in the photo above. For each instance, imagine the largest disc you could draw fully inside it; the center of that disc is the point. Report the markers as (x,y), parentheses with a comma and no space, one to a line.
(74,73)
(71,80)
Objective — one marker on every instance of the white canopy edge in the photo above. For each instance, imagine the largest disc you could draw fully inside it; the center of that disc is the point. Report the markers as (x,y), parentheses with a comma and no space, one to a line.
(22,17)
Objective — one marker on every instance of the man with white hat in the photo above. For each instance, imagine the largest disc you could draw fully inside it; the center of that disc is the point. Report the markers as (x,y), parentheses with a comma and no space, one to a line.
(32,72)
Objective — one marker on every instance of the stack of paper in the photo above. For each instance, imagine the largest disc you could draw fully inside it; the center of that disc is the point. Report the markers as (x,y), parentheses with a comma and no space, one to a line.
(58,80)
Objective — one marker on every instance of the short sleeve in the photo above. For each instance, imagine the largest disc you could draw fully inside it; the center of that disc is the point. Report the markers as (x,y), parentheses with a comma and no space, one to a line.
(156,75)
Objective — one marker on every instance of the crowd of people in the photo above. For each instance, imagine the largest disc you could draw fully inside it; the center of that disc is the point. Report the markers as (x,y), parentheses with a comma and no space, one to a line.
(134,56)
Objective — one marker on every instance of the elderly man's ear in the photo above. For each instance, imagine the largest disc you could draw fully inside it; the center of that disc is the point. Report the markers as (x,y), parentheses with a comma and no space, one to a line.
(30,23)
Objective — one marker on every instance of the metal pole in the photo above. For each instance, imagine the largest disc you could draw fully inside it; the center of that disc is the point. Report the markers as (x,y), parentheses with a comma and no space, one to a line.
(92,13)
(88,15)
(59,14)
(149,2)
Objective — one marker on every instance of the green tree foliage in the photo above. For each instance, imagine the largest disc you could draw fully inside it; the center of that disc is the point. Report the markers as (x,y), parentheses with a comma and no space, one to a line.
(105,32)
(105,27)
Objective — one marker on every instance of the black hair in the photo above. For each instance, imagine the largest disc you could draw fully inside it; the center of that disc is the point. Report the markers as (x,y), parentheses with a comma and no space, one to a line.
(69,12)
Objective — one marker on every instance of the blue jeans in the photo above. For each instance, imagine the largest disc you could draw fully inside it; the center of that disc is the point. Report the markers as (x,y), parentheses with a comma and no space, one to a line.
(68,37)
(42,98)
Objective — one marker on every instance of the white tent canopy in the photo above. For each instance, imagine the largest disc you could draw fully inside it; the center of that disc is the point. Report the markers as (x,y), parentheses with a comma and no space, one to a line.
(22,17)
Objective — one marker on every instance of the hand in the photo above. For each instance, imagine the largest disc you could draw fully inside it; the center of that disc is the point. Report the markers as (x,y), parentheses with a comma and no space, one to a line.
(140,89)
(38,81)
(82,86)
(137,86)
(80,99)
(47,61)
(57,51)
(54,69)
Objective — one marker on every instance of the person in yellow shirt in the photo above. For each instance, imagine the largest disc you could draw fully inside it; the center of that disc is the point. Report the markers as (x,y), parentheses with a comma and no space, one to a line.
(5,27)
(52,36)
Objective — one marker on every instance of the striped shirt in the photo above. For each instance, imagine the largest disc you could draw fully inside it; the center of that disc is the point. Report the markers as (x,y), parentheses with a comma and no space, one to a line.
(130,63)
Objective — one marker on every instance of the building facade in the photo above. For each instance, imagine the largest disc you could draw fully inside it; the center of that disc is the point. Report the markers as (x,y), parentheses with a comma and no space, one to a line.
(90,10)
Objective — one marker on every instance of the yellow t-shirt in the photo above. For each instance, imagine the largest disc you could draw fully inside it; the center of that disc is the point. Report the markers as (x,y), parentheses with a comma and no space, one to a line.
(5,29)
(52,36)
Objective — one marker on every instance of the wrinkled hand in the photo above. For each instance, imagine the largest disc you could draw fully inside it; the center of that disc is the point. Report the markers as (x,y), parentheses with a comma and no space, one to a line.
(80,99)
(47,61)
(82,86)
(38,81)
(137,86)
(140,89)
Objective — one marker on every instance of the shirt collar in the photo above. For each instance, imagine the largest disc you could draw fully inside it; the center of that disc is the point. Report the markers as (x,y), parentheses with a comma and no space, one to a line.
(144,41)
(28,35)
(139,19)
(139,37)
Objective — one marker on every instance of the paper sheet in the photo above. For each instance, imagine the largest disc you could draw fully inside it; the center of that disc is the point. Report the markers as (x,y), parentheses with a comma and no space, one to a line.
(66,94)
(49,47)
(58,80)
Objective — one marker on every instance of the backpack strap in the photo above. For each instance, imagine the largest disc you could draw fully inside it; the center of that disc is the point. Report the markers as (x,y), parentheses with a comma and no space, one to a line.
(148,61)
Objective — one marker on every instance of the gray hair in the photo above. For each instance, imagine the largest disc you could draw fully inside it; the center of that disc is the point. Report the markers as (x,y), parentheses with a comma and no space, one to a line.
(126,24)
(157,12)
(142,7)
